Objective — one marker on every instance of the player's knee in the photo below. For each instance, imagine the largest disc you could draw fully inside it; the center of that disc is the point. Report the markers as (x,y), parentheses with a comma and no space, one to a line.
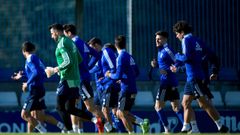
(105,110)
(158,108)
(90,108)
(120,114)
(204,105)
(25,115)
(185,104)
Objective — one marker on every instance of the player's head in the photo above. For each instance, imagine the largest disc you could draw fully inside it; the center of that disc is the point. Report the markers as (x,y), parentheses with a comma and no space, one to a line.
(111,46)
(69,30)
(95,43)
(28,48)
(56,30)
(181,28)
(161,38)
(120,42)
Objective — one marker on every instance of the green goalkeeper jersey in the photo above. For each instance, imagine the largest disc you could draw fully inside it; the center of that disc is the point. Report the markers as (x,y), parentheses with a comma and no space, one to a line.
(68,59)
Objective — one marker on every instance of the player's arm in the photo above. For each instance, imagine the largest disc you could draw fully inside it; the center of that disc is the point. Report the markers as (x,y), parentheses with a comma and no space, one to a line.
(186,55)
(66,59)
(119,73)
(95,69)
(18,75)
(215,63)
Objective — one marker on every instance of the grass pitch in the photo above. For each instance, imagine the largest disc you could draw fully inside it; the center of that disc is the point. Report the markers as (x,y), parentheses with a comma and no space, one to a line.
(115,134)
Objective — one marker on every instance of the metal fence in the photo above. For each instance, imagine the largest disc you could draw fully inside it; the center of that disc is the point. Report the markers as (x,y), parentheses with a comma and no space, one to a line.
(215,21)
(29,20)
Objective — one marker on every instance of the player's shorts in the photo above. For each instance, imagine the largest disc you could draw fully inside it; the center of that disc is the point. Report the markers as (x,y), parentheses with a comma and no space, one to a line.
(98,96)
(167,93)
(35,99)
(110,97)
(126,101)
(69,93)
(86,91)
(195,88)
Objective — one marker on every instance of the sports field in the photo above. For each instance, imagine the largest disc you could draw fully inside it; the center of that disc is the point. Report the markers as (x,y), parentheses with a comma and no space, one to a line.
(113,134)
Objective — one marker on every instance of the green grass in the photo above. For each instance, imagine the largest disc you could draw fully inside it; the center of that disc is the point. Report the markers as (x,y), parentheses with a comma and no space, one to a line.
(112,134)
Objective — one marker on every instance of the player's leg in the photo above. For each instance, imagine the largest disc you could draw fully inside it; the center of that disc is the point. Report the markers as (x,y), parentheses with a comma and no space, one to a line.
(186,103)
(117,124)
(208,107)
(26,115)
(109,101)
(206,91)
(87,96)
(177,109)
(65,116)
(125,103)
(123,115)
(75,124)
(212,112)
(71,106)
(81,106)
(159,105)
(193,123)
(173,96)
(188,110)
(43,117)
(98,103)
(30,128)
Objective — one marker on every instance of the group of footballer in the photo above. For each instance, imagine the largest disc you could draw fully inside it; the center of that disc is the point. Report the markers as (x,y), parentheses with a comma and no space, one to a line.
(115,72)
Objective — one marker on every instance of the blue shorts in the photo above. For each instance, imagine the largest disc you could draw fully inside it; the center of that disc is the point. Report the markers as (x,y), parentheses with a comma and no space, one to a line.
(195,88)
(98,96)
(86,90)
(110,97)
(69,93)
(167,93)
(35,99)
(126,101)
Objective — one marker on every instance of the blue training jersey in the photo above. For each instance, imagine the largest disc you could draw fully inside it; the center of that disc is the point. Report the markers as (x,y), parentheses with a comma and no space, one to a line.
(35,71)
(108,61)
(87,63)
(192,52)
(165,59)
(125,72)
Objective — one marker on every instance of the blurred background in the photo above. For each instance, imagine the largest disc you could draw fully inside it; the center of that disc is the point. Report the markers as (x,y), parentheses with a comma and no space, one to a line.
(214,21)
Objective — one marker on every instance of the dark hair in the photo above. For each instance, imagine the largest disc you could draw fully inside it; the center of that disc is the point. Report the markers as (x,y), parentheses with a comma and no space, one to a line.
(162,33)
(70,28)
(56,26)
(95,40)
(120,41)
(182,26)
(28,47)
(110,45)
